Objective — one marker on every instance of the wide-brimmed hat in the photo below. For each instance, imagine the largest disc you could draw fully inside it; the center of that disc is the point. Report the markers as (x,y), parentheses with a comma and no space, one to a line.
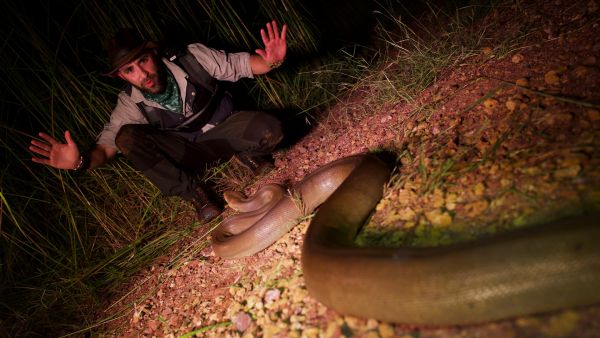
(125,46)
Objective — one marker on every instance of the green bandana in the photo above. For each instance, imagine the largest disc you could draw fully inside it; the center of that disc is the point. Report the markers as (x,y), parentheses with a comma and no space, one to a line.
(170,97)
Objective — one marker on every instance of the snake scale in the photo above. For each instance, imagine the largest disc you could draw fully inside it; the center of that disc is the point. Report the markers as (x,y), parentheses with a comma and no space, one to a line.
(532,270)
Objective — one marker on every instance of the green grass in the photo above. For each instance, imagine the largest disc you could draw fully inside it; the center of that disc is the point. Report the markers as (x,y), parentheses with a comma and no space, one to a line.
(69,240)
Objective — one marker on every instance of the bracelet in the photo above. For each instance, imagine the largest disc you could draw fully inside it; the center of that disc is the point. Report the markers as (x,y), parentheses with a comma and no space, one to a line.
(275,64)
(80,164)
(84,162)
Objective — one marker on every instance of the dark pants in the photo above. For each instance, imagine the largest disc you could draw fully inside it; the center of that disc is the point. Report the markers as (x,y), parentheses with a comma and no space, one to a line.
(173,160)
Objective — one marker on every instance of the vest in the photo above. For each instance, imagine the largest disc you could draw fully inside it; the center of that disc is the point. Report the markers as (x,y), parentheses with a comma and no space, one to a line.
(204,98)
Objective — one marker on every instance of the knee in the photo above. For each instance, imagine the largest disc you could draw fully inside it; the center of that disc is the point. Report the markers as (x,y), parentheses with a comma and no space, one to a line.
(128,135)
(269,130)
(273,134)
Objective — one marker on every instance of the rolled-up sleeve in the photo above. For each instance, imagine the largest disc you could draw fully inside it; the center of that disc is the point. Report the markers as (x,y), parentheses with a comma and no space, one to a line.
(125,112)
(221,65)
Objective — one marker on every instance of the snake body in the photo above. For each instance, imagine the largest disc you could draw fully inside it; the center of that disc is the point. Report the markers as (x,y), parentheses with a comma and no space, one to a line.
(533,270)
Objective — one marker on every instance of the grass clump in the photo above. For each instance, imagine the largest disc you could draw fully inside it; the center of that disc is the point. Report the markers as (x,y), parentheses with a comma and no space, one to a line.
(67,241)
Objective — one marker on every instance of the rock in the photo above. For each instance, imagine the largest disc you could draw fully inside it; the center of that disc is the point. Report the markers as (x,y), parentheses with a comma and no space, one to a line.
(406,214)
(580,71)
(490,103)
(451,201)
(512,105)
(552,78)
(386,330)
(272,295)
(438,218)
(517,58)
(522,82)
(475,208)
(241,321)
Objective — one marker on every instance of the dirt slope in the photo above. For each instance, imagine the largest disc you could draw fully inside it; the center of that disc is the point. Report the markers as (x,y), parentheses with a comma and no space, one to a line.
(503,139)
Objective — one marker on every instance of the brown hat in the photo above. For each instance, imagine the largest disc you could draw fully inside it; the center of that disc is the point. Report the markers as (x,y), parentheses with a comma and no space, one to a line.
(125,46)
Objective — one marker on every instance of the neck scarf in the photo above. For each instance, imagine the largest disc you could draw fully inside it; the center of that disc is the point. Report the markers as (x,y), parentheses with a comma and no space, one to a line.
(170,97)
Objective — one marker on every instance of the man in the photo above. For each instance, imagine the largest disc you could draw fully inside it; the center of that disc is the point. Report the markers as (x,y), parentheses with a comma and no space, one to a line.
(173,121)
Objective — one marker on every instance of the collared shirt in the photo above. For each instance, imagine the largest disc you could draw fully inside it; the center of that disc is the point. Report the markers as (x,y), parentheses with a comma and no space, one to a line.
(220,65)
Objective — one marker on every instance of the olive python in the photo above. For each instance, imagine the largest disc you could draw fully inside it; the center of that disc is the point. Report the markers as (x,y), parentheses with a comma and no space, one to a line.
(527,271)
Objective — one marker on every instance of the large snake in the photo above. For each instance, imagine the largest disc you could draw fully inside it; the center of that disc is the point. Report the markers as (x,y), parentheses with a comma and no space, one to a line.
(532,270)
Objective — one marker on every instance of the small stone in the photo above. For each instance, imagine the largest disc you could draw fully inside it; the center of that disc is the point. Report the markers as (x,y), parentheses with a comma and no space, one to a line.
(438,218)
(487,50)
(580,71)
(406,214)
(512,105)
(251,301)
(311,332)
(517,58)
(475,208)
(270,330)
(272,295)
(242,321)
(490,103)
(522,82)
(451,201)
(386,330)
(551,78)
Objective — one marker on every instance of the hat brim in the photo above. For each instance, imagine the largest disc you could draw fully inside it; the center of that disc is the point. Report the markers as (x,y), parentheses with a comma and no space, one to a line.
(131,55)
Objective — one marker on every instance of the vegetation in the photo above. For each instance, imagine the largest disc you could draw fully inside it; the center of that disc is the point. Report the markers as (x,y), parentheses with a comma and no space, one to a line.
(65,239)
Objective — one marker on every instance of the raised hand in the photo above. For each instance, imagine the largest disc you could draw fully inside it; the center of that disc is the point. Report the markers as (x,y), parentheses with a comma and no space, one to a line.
(56,154)
(275,44)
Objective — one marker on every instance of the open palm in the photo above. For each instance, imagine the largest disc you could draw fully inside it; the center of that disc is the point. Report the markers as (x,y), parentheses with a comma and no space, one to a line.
(56,154)
(275,43)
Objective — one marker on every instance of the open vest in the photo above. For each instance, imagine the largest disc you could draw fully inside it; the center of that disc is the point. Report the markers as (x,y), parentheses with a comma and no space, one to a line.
(206,101)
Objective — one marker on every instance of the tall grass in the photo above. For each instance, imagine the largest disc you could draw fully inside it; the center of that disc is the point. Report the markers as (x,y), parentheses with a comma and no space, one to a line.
(66,238)
(416,53)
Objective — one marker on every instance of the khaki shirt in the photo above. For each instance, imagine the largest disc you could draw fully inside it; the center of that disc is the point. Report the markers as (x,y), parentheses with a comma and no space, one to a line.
(220,65)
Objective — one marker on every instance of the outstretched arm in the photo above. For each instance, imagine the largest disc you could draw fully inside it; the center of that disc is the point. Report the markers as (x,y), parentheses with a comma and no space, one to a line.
(275,48)
(66,155)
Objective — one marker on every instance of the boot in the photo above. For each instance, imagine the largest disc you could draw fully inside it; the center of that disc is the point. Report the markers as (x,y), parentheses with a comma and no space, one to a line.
(258,165)
(206,207)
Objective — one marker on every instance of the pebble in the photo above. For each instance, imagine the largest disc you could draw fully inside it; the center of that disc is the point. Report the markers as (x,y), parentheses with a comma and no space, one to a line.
(551,78)
(490,103)
(487,50)
(511,105)
(242,321)
(523,82)
(272,295)
(517,58)
(386,330)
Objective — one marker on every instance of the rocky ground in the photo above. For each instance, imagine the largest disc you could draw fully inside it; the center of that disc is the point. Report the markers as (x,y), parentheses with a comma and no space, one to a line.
(505,138)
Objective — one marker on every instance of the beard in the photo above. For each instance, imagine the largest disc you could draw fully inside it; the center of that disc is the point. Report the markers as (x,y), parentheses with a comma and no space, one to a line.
(159,80)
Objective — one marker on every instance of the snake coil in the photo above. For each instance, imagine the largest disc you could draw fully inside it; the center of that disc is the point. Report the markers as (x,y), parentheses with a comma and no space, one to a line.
(527,271)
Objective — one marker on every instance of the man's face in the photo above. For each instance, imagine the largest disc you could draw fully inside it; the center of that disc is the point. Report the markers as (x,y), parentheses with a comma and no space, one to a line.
(144,73)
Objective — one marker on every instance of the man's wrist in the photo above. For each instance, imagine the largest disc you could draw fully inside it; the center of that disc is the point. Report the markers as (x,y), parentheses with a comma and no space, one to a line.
(275,64)
(83,163)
